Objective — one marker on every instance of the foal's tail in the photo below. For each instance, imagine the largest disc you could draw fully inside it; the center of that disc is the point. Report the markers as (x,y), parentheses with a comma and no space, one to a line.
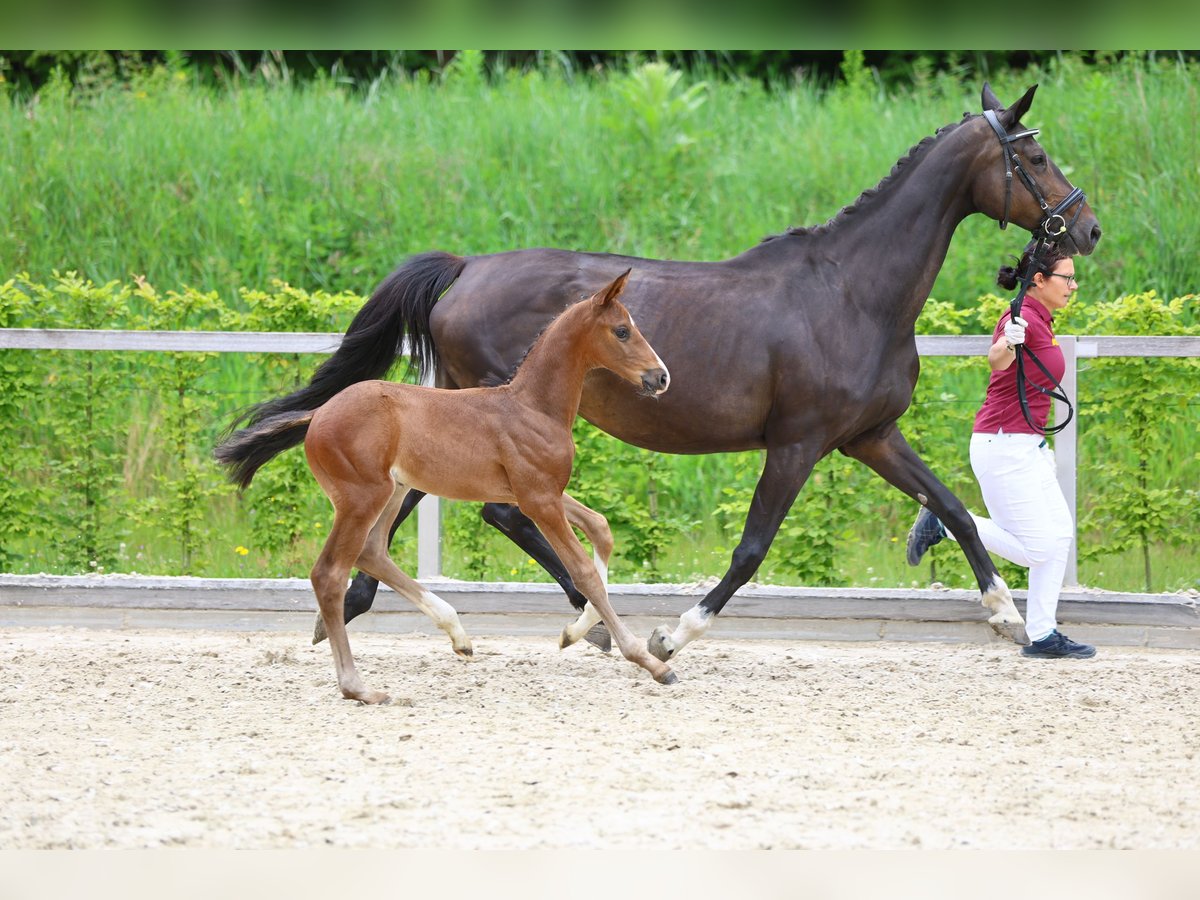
(400,307)
(245,451)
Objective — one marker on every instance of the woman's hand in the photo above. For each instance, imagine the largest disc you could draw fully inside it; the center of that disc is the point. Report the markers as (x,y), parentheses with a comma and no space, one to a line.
(1014,331)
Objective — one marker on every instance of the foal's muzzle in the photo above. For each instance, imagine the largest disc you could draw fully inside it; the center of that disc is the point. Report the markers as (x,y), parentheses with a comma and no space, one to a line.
(655,381)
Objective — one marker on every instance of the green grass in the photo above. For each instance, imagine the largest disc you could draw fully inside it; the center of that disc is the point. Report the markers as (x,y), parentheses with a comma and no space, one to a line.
(329,186)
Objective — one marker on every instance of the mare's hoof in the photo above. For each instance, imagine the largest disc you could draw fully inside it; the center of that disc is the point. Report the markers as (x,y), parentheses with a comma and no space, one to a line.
(661,645)
(667,677)
(468,651)
(599,636)
(1011,631)
(319,632)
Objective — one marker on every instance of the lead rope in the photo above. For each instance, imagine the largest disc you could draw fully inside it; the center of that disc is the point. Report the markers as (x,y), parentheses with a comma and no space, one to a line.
(1020,350)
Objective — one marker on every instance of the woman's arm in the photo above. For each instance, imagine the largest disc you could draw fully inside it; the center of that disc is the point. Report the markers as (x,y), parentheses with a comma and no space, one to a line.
(1001,355)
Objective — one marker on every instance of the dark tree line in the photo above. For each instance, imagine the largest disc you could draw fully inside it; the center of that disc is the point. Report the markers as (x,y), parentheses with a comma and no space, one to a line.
(29,69)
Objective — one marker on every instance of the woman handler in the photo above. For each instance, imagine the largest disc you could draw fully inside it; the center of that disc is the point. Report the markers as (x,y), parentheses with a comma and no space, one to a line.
(1030,521)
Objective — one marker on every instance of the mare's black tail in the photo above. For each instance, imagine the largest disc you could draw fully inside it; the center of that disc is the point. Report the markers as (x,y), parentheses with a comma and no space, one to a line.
(399,308)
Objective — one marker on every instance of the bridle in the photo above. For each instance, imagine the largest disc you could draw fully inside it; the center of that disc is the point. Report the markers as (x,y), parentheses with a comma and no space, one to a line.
(1054,223)
(1049,230)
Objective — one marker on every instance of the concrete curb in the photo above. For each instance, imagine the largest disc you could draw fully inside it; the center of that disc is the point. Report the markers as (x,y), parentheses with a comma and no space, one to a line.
(757,611)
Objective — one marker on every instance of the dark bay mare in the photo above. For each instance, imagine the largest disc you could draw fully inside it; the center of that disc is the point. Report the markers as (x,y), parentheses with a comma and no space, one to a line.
(802,345)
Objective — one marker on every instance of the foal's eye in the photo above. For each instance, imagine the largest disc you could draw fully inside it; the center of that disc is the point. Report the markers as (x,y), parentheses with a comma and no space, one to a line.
(622,333)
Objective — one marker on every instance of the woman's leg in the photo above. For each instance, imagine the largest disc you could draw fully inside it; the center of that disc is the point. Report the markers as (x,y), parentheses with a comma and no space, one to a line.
(1030,521)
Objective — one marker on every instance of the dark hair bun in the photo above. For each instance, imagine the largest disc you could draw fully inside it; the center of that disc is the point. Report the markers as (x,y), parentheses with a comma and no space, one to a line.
(1007,278)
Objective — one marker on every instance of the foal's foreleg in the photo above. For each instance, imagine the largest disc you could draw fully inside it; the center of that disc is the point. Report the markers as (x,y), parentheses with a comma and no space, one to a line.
(519,528)
(889,454)
(551,518)
(595,527)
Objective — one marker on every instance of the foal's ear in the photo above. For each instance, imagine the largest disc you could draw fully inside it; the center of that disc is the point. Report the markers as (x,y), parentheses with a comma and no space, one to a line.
(606,295)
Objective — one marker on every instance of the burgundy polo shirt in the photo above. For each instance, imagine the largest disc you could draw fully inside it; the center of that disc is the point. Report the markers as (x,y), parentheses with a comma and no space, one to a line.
(1001,410)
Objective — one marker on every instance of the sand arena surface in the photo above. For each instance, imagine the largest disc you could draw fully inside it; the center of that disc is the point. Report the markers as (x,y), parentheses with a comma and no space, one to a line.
(215,739)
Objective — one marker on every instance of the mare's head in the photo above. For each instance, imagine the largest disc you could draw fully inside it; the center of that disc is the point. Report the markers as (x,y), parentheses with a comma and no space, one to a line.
(1037,196)
(614,342)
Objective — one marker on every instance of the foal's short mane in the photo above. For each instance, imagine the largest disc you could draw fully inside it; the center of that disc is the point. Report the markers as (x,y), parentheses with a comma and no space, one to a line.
(497,380)
(901,166)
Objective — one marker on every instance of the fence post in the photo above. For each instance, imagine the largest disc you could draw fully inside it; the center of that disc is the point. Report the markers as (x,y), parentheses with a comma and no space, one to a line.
(1065,448)
(429,537)
(429,526)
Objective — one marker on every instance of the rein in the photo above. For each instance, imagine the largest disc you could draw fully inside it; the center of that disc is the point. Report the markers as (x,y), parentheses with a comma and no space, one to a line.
(1052,226)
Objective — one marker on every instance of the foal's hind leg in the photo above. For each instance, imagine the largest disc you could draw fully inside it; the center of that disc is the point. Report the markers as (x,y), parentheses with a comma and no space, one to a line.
(329,576)
(595,528)
(361,594)
(374,560)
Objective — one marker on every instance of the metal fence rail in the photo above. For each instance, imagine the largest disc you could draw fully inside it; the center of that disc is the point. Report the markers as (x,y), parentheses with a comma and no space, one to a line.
(429,556)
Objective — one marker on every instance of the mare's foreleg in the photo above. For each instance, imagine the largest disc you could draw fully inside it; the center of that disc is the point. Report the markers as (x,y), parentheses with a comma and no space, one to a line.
(361,593)
(888,453)
(787,468)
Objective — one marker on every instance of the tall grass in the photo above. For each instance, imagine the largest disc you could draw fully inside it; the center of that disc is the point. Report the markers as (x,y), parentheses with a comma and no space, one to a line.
(328,185)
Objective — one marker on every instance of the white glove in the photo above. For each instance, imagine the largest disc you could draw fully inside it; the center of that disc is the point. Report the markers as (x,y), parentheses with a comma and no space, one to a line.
(1014,331)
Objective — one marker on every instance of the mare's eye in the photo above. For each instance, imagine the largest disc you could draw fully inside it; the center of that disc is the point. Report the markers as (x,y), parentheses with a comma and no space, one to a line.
(1038,160)
(622,333)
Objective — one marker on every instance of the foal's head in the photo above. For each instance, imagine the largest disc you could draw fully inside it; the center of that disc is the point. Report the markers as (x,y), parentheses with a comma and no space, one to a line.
(615,343)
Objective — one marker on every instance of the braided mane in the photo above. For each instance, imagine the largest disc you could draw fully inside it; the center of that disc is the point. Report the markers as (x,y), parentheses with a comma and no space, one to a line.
(902,165)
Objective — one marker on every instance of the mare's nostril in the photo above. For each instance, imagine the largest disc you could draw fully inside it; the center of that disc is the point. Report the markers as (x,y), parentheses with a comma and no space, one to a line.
(1096,232)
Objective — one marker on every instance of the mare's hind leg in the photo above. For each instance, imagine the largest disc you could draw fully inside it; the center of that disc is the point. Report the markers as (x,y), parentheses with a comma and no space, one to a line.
(329,575)
(595,528)
(888,453)
(786,470)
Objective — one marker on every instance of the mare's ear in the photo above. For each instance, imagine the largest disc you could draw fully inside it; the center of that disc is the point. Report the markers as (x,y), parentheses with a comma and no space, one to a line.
(990,100)
(606,295)
(1011,116)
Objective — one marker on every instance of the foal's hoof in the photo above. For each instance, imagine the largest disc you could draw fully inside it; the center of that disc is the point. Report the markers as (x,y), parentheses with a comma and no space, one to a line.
(372,698)
(599,636)
(319,632)
(466,650)
(661,644)
(1010,631)
(667,677)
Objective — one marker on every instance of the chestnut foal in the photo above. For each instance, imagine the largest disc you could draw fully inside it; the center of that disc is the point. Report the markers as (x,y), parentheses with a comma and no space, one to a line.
(376,440)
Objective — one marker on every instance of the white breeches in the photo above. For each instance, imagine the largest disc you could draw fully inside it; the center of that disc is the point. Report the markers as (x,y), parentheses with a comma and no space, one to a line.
(1030,522)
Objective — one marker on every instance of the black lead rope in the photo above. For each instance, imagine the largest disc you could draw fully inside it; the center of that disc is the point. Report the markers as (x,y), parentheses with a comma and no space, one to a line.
(1020,350)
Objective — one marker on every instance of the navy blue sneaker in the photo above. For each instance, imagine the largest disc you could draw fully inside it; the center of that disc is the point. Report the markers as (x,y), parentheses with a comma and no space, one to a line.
(926,531)
(1058,646)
